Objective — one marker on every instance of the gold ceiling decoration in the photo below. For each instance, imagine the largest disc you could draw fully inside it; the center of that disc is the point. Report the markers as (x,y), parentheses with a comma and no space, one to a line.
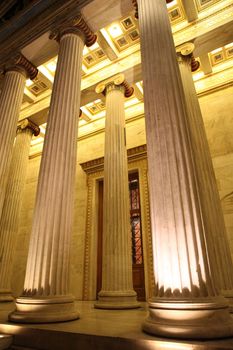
(118,49)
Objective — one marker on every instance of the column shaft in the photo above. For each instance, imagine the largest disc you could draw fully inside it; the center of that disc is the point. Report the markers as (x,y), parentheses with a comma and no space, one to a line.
(186,302)
(117,286)
(212,211)
(47,273)
(9,221)
(10,103)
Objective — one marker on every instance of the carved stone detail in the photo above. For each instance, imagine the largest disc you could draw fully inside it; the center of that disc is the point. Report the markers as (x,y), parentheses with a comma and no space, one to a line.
(21,62)
(117,80)
(76,25)
(28,124)
(94,170)
(135,4)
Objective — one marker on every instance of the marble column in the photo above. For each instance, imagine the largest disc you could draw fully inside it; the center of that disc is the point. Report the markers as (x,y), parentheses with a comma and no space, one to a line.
(117,283)
(11,98)
(215,228)
(46,297)
(9,221)
(187,303)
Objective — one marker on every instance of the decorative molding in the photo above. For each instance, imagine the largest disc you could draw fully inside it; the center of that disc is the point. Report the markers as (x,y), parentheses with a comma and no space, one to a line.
(94,133)
(22,63)
(195,64)
(117,80)
(95,171)
(28,124)
(135,4)
(96,165)
(44,17)
(76,25)
(185,51)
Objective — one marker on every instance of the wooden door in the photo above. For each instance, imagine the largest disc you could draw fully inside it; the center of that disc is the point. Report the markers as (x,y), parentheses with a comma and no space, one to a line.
(137,251)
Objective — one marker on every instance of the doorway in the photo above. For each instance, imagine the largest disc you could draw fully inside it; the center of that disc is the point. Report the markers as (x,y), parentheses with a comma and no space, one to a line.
(136,231)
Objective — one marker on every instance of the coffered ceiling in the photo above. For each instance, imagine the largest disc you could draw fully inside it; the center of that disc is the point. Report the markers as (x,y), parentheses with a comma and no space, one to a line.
(118,50)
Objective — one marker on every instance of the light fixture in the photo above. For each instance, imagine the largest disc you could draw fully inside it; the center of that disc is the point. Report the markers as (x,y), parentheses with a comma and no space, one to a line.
(115,30)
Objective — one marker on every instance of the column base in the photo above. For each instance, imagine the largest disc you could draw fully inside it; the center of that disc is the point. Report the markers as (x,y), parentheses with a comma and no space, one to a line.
(206,319)
(6,295)
(228,294)
(117,300)
(44,309)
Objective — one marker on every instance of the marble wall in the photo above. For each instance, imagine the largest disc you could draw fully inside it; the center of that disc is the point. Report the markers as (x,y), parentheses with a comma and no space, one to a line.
(217,109)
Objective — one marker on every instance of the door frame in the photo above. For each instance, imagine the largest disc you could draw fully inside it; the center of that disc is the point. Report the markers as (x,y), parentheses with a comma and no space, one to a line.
(137,161)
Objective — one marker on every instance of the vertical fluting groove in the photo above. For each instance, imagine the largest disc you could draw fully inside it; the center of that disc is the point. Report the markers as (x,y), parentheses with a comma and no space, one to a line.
(215,232)
(181,259)
(10,103)
(11,209)
(48,260)
(117,255)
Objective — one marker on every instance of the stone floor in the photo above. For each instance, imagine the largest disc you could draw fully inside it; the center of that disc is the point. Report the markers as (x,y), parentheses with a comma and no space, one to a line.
(97,330)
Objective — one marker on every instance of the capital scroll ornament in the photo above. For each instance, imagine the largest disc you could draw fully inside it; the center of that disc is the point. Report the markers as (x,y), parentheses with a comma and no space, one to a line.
(135,4)
(28,124)
(22,62)
(76,25)
(118,80)
(186,50)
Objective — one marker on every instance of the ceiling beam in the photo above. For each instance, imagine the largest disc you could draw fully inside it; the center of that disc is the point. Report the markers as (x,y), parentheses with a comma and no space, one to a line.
(206,66)
(214,39)
(106,47)
(190,10)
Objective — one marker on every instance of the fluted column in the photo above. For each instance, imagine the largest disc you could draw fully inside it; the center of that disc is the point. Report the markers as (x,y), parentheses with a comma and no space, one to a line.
(187,303)
(9,221)
(10,102)
(46,296)
(215,232)
(117,284)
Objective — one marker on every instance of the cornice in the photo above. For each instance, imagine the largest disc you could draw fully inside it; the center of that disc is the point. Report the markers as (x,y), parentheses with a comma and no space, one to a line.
(96,165)
(76,25)
(43,16)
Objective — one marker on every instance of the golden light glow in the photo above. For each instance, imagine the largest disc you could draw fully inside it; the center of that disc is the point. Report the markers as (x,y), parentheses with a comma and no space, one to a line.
(198,76)
(51,66)
(139,85)
(171,4)
(115,30)
(94,47)
(216,50)
(46,73)
(228,46)
(29,82)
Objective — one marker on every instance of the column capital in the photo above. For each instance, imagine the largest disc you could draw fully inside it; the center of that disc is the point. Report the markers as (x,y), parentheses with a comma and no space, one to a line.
(20,63)
(28,124)
(185,51)
(78,26)
(117,80)
(135,4)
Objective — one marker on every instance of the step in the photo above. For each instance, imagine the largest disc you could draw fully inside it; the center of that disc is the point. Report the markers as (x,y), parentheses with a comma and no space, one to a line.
(5,341)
